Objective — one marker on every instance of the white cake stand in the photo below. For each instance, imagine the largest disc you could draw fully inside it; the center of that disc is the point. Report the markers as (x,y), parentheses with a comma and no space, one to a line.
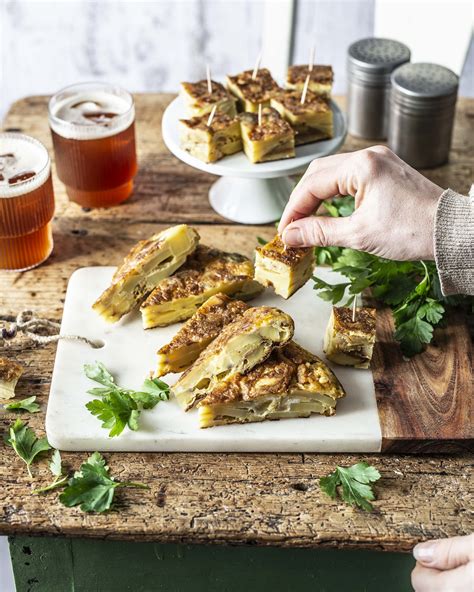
(251,193)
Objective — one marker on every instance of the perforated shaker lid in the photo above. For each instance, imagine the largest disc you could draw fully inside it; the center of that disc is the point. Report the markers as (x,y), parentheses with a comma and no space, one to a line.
(377,55)
(425,81)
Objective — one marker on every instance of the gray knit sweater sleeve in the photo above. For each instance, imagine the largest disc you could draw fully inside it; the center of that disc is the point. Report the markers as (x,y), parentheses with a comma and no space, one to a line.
(454,243)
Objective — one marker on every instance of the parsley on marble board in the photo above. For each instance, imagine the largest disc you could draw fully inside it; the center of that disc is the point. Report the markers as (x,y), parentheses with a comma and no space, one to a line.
(119,407)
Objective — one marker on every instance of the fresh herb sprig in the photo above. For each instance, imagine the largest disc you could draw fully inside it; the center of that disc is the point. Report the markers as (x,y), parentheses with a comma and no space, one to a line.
(352,484)
(92,487)
(27,404)
(118,407)
(56,468)
(410,288)
(26,443)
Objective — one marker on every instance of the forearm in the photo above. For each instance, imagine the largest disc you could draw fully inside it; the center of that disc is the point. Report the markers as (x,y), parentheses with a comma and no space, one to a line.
(454,243)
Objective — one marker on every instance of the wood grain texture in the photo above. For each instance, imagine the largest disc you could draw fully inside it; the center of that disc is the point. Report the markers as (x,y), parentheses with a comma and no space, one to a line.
(425,403)
(253,499)
(222,498)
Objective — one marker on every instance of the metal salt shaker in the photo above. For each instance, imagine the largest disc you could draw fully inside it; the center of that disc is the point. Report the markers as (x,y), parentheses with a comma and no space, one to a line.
(370,64)
(422,106)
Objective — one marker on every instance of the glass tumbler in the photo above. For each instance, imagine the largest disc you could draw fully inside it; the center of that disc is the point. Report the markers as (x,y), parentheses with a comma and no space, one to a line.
(93,130)
(26,202)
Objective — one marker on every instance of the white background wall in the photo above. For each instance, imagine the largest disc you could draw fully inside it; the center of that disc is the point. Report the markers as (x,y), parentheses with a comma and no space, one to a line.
(153,45)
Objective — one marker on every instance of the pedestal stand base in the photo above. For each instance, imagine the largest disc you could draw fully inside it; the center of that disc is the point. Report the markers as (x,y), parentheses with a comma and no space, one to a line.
(250,201)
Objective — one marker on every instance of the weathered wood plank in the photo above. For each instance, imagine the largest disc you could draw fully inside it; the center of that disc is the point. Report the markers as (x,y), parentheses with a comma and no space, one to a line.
(253,499)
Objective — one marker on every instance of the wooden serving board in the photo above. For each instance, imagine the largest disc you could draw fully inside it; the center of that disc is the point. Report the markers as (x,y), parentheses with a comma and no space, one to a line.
(418,405)
(425,403)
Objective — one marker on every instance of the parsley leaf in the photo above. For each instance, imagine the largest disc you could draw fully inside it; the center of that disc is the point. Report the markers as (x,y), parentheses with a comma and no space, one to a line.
(331,292)
(354,482)
(56,464)
(331,209)
(26,444)
(354,259)
(327,255)
(154,391)
(27,404)
(147,399)
(115,410)
(92,487)
(394,291)
(432,310)
(99,373)
(119,407)
(340,206)
(56,468)
(413,334)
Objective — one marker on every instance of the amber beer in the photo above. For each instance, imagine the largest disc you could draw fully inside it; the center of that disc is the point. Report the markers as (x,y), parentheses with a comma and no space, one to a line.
(26,202)
(93,129)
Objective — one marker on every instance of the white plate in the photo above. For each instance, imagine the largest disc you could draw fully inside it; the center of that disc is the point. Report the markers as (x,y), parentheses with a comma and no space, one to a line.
(129,353)
(238,165)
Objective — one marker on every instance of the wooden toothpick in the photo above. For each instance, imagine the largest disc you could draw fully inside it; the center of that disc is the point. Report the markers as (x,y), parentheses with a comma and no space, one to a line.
(354,307)
(208,76)
(305,89)
(311,59)
(259,114)
(211,116)
(257,66)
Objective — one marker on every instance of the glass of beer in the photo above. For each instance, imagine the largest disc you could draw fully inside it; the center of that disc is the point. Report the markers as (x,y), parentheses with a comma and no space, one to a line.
(26,202)
(93,129)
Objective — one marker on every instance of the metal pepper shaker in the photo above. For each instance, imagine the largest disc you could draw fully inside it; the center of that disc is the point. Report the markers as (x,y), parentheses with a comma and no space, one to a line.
(422,106)
(370,63)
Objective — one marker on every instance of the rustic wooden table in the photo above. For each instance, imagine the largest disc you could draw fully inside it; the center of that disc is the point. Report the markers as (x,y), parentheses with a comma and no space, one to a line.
(244,499)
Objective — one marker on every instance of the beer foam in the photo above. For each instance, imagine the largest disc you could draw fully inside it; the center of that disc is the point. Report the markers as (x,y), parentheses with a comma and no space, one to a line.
(90,114)
(20,155)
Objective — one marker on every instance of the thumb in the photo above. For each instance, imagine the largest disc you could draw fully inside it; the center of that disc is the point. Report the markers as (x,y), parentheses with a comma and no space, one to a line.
(320,231)
(445,553)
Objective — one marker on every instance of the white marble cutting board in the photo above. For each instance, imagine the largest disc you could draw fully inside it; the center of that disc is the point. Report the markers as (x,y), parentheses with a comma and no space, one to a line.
(129,353)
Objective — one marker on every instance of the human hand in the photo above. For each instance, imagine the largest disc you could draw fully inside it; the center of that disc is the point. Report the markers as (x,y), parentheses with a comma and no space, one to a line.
(444,565)
(395,206)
